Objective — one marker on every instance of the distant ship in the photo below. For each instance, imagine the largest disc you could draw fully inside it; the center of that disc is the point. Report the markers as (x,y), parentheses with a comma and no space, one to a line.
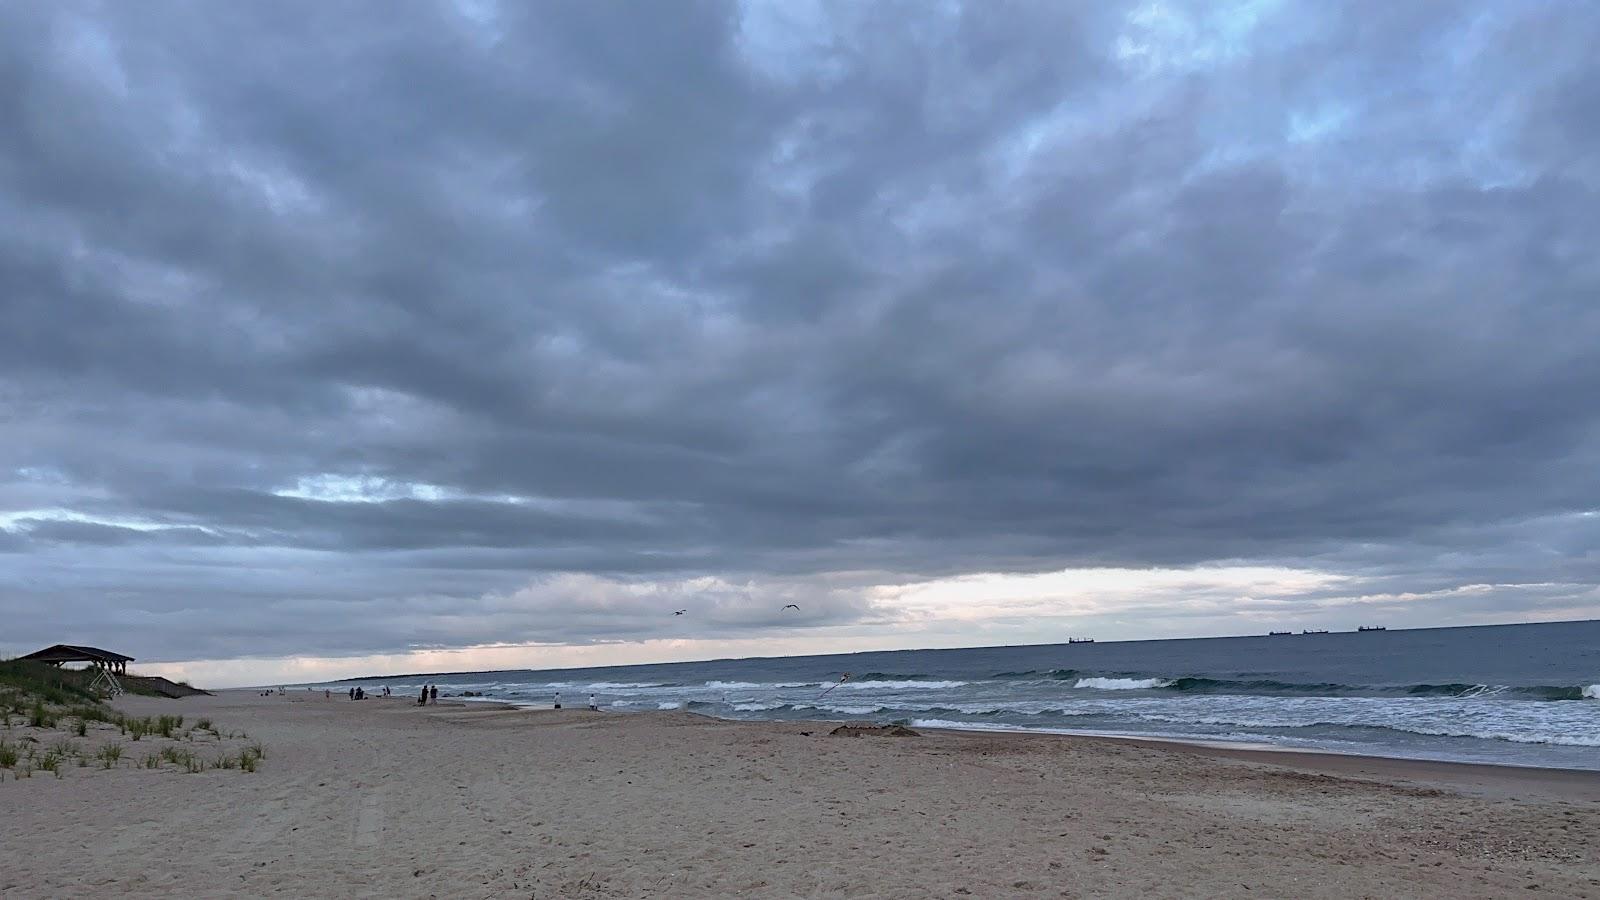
(1080,640)
(1315,631)
(1372,628)
(1278,633)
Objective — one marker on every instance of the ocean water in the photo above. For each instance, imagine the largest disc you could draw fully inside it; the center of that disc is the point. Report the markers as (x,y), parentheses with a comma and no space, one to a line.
(1510,694)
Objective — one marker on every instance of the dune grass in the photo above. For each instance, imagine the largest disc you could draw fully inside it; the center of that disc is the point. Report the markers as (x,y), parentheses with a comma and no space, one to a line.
(24,681)
(37,696)
(109,755)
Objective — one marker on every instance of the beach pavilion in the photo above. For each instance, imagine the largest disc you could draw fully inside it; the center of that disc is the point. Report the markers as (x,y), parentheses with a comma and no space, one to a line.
(60,654)
(106,664)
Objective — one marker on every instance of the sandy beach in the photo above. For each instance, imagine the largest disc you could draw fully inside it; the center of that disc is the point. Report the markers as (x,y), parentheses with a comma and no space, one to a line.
(383,798)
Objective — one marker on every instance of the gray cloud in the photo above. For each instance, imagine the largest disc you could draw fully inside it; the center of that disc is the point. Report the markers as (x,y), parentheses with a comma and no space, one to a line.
(650,294)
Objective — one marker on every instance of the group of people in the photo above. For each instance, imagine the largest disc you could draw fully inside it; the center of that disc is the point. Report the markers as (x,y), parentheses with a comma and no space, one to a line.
(360,693)
(430,692)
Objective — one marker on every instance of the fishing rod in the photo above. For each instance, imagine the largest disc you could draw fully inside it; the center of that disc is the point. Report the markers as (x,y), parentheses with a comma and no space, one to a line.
(842,680)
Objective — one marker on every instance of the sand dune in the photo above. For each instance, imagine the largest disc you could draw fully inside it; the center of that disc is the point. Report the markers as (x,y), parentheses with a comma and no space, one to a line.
(382,798)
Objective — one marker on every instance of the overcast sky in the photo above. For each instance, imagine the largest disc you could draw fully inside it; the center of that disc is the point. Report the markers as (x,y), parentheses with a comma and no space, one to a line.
(354,335)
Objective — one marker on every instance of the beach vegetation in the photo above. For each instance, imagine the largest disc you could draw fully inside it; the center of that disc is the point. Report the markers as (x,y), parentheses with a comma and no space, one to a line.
(50,762)
(24,678)
(40,716)
(151,761)
(109,755)
(8,754)
(184,758)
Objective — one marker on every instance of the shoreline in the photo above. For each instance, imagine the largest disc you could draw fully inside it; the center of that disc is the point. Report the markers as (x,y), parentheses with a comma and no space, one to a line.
(1487,779)
(1484,778)
(1257,751)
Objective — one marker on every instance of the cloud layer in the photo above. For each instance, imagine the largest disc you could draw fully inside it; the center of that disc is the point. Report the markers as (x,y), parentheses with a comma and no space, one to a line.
(344,330)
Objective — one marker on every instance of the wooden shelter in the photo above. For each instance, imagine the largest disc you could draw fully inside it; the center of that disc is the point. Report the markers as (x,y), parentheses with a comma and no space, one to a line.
(59,654)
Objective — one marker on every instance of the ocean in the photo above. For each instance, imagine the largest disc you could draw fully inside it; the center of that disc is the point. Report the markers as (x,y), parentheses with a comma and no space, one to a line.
(1510,694)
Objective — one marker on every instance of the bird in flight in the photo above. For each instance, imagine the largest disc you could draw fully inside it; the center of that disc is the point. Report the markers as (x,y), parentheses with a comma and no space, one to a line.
(793,606)
(679,612)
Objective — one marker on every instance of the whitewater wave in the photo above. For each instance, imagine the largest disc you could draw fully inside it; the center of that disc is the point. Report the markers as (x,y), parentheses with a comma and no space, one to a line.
(1592,692)
(842,708)
(907,685)
(605,685)
(646,704)
(952,725)
(1122,684)
(759,686)
(1491,734)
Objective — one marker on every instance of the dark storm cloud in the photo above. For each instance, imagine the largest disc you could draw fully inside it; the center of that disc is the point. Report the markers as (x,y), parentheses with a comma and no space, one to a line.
(646,294)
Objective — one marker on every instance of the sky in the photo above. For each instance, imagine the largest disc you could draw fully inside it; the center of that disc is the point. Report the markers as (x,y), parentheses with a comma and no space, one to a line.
(343,338)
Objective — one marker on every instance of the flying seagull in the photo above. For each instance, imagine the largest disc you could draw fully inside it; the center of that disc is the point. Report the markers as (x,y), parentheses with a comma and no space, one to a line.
(679,612)
(792,606)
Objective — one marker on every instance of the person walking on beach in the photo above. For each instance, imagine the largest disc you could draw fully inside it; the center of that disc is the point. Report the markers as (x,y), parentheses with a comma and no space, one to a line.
(424,698)
(433,692)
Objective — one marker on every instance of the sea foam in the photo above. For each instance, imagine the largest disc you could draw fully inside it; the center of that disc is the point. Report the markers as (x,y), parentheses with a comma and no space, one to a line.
(1122,684)
(901,685)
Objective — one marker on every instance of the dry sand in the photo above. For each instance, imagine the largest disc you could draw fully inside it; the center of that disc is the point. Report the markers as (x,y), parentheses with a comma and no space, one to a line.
(382,798)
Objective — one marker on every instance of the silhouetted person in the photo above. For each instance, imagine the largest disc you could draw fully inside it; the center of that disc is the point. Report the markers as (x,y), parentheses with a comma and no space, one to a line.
(424,698)
(433,693)
(352,693)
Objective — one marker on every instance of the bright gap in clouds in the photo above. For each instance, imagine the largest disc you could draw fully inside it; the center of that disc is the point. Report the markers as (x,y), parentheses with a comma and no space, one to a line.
(964,611)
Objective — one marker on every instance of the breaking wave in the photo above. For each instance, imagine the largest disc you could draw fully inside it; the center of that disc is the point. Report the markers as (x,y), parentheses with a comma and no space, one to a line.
(907,685)
(759,685)
(1122,684)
